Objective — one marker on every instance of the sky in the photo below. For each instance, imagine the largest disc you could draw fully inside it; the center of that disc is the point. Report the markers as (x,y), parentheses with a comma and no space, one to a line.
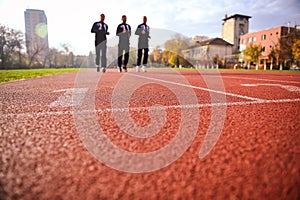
(70,22)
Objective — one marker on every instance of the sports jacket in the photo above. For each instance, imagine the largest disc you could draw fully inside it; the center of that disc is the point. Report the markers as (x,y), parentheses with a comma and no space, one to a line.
(123,37)
(143,38)
(100,36)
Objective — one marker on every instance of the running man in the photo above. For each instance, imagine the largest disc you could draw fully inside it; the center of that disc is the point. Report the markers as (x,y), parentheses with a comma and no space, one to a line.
(143,31)
(101,30)
(124,33)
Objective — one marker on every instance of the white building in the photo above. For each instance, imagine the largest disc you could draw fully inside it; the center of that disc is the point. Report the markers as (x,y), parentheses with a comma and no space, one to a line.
(209,53)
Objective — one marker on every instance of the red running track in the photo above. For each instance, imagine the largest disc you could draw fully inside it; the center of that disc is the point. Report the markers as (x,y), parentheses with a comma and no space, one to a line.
(172,135)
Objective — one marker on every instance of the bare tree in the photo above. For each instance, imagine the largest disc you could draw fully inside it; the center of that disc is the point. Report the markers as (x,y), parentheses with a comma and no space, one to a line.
(52,57)
(36,53)
(11,44)
(79,61)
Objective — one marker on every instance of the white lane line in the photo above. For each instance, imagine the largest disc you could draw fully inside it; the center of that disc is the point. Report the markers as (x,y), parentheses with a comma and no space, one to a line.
(188,106)
(200,88)
(290,88)
(256,79)
(72,96)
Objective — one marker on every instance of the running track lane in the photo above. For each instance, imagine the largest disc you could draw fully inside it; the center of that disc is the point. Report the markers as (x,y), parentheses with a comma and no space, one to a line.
(256,157)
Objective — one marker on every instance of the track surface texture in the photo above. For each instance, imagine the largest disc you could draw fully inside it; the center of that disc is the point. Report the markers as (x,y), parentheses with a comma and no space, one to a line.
(162,134)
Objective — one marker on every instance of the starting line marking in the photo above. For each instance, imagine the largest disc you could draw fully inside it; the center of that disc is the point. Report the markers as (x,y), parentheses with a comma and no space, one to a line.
(189,106)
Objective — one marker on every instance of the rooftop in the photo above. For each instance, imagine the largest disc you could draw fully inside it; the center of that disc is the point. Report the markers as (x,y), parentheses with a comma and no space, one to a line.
(234,16)
(212,41)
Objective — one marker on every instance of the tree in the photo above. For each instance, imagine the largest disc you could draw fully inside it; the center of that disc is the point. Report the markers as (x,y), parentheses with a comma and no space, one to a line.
(165,57)
(285,52)
(91,60)
(288,48)
(174,47)
(79,61)
(11,44)
(252,53)
(157,54)
(34,55)
(58,58)
(274,55)
(296,50)
(69,56)
(52,57)
(132,56)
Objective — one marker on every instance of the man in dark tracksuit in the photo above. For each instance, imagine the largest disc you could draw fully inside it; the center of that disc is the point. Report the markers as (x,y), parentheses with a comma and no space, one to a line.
(124,33)
(101,30)
(143,31)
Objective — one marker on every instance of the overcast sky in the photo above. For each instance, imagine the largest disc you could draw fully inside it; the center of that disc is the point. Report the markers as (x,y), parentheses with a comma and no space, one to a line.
(70,21)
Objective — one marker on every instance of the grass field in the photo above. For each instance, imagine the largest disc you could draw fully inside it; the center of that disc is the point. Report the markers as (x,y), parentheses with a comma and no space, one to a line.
(11,75)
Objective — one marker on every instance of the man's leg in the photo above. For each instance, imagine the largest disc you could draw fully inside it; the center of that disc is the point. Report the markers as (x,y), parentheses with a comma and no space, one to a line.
(126,58)
(145,59)
(103,56)
(97,61)
(120,55)
(139,59)
(139,56)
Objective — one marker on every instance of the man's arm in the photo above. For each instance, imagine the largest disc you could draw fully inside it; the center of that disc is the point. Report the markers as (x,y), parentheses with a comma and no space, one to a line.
(118,30)
(148,32)
(138,30)
(107,33)
(129,31)
(94,28)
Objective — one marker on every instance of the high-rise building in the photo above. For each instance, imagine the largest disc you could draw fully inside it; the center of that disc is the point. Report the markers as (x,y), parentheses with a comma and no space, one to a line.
(36,31)
(233,27)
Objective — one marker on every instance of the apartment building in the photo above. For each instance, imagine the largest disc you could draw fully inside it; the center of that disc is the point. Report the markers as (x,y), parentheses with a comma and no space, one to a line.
(269,40)
(36,31)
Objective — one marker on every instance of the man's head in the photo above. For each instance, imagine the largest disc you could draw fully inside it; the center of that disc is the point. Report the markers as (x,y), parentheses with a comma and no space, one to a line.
(124,18)
(102,17)
(144,19)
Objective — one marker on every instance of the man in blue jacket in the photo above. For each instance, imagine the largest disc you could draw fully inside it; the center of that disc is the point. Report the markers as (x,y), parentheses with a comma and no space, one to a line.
(124,33)
(101,30)
(143,31)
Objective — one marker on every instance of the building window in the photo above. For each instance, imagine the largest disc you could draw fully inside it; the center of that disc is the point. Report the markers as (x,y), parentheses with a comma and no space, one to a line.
(254,39)
(263,49)
(241,26)
(243,41)
(263,37)
(249,39)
